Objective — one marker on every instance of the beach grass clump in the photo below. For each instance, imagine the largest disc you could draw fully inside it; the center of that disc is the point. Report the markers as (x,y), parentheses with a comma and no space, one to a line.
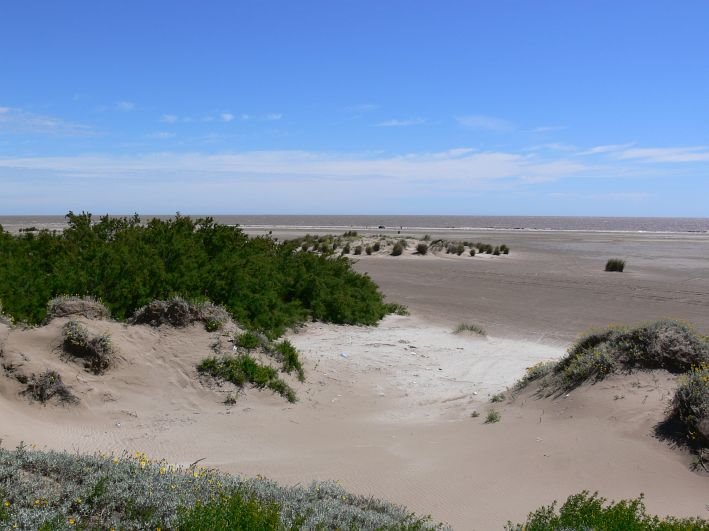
(249,340)
(422,249)
(397,309)
(615,264)
(492,417)
(97,352)
(590,511)
(179,312)
(397,249)
(127,263)
(58,490)
(504,249)
(48,385)
(376,247)
(74,305)
(690,405)
(472,251)
(242,369)
(358,250)
(470,327)
(346,249)
(350,234)
(368,250)
(498,397)
(535,373)
(290,358)
(496,251)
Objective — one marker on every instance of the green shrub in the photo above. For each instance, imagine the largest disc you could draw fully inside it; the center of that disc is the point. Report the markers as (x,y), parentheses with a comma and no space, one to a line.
(450,249)
(496,251)
(346,249)
(504,249)
(615,264)
(589,511)
(350,234)
(472,251)
(368,250)
(263,284)
(248,340)
(233,512)
(358,250)
(470,327)
(243,369)
(459,249)
(535,373)
(376,247)
(492,417)
(212,325)
(290,358)
(397,250)
(422,248)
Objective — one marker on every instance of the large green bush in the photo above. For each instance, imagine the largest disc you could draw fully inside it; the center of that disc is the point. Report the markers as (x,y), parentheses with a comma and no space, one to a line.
(586,511)
(127,264)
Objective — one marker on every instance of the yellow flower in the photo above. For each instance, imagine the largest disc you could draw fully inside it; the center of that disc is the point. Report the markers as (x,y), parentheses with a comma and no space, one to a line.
(162,470)
(71,521)
(7,503)
(115,460)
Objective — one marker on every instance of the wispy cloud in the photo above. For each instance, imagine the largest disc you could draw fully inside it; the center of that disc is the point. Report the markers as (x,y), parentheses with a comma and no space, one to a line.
(169,118)
(162,135)
(362,108)
(401,123)
(604,149)
(273,116)
(226,117)
(124,106)
(19,121)
(546,129)
(488,123)
(667,155)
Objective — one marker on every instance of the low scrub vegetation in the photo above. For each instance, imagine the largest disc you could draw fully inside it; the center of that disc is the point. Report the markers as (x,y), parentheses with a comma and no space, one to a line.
(492,417)
(690,405)
(422,249)
(127,263)
(53,490)
(397,249)
(47,386)
(97,352)
(590,511)
(290,358)
(242,369)
(470,327)
(615,264)
(72,305)
(666,344)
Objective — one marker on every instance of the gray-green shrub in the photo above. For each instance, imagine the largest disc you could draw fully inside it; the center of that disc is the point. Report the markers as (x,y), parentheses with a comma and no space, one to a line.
(397,249)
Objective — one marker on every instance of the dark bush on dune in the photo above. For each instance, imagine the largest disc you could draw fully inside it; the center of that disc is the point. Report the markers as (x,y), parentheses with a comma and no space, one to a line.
(397,249)
(48,385)
(615,264)
(97,352)
(127,264)
(422,248)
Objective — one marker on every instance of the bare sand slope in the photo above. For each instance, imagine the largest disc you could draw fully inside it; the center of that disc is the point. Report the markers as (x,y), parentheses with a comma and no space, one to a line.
(552,287)
(385,410)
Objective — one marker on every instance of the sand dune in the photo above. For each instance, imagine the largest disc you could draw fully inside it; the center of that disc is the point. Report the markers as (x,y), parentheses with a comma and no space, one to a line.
(387,410)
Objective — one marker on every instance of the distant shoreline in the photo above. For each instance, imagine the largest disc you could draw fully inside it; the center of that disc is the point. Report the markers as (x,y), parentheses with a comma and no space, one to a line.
(339,223)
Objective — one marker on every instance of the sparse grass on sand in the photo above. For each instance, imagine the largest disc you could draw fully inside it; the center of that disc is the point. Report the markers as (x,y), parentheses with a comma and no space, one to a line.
(470,327)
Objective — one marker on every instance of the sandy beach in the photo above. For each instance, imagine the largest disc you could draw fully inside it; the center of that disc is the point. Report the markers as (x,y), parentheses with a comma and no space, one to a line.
(387,410)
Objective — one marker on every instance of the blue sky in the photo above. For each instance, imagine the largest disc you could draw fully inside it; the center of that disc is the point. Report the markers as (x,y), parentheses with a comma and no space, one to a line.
(355,107)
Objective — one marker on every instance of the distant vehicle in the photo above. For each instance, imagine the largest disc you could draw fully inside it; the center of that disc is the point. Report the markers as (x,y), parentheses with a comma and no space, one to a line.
(382,227)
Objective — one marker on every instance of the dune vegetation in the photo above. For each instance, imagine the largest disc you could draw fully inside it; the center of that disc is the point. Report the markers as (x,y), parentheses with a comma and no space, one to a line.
(665,344)
(264,284)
